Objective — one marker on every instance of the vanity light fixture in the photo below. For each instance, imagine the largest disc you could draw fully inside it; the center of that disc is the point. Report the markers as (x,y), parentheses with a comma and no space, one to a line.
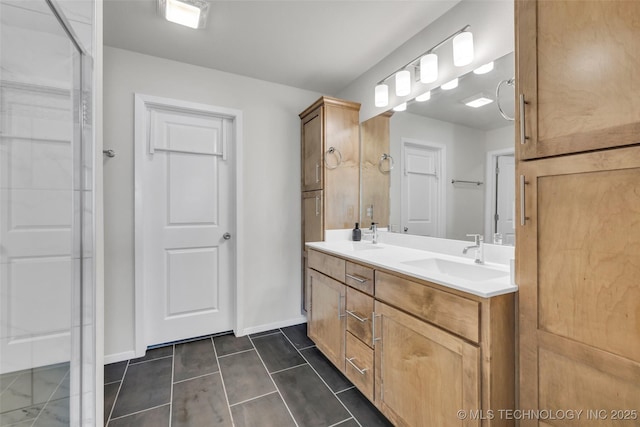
(463,49)
(451,84)
(382,95)
(484,69)
(190,13)
(424,97)
(426,65)
(477,101)
(403,83)
(401,107)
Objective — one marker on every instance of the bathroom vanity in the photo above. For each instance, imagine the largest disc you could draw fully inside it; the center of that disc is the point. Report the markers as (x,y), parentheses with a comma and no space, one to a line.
(427,337)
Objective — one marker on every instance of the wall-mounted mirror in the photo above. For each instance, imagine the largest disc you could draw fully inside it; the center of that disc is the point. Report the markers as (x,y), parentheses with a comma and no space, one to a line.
(445,167)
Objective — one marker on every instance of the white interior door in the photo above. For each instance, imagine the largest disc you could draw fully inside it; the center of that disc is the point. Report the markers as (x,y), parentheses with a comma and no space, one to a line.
(505,198)
(421,190)
(188,227)
(36,216)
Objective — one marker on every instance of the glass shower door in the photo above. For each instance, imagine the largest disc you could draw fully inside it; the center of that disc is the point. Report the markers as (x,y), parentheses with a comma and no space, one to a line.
(46,273)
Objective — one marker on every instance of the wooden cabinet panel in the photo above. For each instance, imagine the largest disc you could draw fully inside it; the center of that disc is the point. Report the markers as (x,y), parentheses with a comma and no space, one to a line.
(360,277)
(359,365)
(457,314)
(576,66)
(330,265)
(327,319)
(578,267)
(424,375)
(312,151)
(360,315)
(312,216)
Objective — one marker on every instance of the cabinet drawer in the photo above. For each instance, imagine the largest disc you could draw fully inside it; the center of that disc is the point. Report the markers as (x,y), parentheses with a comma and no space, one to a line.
(456,314)
(327,264)
(360,315)
(359,277)
(359,365)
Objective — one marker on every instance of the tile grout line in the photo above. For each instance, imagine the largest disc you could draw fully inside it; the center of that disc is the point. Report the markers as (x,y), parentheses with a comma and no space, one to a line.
(150,360)
(126,368)
(233,354)
(346,389)
(224,388)
(173,373)
(35,420)
(139,412)
(286,369)
(344,421)
(265,335)
(253,398)
(196,377)
(324,382)
(274,383)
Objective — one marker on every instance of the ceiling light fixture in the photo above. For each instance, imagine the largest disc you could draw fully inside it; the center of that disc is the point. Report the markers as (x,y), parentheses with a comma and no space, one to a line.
(190,13)
(424,97)
(451,84)
(463,49)
(484,69)
(426,65)
(477,101)
(403,83)
(382,95)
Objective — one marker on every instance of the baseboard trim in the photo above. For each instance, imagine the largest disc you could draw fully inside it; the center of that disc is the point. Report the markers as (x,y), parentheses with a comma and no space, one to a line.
(270,326)
(119,357)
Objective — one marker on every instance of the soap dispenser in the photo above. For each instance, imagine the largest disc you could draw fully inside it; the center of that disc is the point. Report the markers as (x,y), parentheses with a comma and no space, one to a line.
(356,234)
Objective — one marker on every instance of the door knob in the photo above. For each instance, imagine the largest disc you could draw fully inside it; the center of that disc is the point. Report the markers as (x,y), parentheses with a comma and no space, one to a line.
(226,236)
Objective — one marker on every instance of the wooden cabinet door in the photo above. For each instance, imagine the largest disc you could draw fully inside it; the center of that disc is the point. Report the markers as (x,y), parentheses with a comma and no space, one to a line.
(424,375)
(312,216)
(577,67)
(578,266)
(327,319)
(312,152)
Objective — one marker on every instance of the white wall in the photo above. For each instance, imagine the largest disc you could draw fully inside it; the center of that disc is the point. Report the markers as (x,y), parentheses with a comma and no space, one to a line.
(492,27)
(271,180)
(465,154)
(497,139)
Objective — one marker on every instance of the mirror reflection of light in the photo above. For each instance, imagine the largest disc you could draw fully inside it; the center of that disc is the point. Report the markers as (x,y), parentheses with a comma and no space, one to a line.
(452,84)
(401,107)
(424,97)
(484,69)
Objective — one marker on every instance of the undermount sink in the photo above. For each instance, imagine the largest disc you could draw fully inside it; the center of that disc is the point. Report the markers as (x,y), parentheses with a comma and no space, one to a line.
(460,270)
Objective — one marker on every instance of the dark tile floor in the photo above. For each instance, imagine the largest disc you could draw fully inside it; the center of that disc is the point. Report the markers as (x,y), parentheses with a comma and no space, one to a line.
(276,378)
(36,397)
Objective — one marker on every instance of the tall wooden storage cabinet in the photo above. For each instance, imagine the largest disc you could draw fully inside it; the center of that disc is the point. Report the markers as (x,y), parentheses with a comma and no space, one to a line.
(330,137)
(578,238)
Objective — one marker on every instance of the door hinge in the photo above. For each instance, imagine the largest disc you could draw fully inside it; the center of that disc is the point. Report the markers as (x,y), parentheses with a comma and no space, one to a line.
(496,217)
(497,171)
(85,116)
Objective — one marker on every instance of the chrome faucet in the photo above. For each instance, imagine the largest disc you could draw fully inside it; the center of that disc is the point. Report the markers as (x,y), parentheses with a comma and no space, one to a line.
(478,246)
(374,233)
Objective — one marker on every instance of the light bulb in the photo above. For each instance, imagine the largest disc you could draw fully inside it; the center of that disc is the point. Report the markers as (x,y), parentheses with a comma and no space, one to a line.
(429,68)
(403,83)
(382,95)
(463,49)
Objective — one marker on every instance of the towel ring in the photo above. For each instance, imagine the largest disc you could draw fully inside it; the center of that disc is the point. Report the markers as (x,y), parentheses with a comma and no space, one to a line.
(338,155)
(510,82)
(384,157)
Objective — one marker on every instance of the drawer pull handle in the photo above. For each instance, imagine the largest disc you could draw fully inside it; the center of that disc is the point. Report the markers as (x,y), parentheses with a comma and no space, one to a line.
(523,135)
(373,329)
(358,318)
(340,315)
(361,371)
(356,278)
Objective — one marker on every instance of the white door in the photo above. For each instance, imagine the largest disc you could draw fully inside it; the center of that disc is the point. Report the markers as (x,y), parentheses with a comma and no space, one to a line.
(421,190)
(188,228)
(37,210)
(505,198)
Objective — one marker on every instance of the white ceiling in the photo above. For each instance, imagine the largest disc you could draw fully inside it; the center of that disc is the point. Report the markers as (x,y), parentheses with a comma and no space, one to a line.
(319,45)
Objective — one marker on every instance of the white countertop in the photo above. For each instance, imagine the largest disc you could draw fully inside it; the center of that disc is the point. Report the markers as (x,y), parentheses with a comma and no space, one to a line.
(398,259)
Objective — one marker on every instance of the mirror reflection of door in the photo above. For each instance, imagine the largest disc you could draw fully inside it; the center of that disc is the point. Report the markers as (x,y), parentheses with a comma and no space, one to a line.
(503,210)
(422,189)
